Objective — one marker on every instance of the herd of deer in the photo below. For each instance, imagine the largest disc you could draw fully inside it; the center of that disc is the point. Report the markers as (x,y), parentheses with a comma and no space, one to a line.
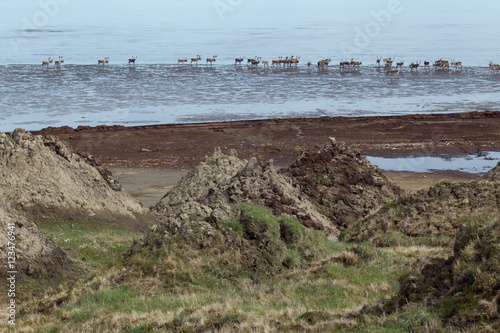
(195,60)
(349,64)
(414,65)
(106,61)
(289,61)
(57,63)
(280,61)
(103,62)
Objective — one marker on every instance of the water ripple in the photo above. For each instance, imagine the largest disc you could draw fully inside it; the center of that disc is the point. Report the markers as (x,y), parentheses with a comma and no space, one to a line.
(146,94)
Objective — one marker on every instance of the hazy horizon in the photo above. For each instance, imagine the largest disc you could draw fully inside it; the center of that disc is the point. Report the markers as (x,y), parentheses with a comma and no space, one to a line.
(162,31)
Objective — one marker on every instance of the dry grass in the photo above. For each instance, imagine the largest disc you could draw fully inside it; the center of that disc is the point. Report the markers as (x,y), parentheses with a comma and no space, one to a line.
(270,305)
(182,289)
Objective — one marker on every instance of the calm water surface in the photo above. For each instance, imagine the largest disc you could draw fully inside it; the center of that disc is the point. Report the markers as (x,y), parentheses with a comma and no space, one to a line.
(477,164)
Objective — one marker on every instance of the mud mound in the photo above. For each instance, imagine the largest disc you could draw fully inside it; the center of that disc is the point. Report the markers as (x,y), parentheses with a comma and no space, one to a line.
(42,176)
(464,289)
(494,174)
(438,211)
(36,255)
(221,181)
(344,185)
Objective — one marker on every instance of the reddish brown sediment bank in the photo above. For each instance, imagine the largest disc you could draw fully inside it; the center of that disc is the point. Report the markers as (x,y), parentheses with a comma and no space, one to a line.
(182,146)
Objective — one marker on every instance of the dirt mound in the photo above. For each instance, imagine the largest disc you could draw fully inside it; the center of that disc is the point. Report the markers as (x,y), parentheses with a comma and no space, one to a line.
(36,255)
(438,211)
(344,185)
(188,199)
(464,290)
(494,174)
(42,176)
(221,181)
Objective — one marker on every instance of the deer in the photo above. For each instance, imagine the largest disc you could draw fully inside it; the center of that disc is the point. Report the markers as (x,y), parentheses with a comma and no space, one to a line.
(441,64)
(265,63)
(59,62)
(400,64)
(414,65)
(239,60)
(254,61)
(47,63)
(103,62)
(283,61)
(276,62)
(195,60)
(344,63)
(288,61)
(378,60)
(427,64)
(494,67)
(355,63)
(132,60)
(456,63)
(211,60)
(182,61)
(388,60)
(323,62)
(396,72)
(251,61)
(327,61)
(294,61)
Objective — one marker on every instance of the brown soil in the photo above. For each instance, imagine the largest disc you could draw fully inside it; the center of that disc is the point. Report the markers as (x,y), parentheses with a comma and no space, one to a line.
(184,146)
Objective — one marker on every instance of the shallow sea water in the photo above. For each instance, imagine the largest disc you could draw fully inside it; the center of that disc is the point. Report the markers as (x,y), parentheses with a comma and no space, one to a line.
(34,97)
(476,164)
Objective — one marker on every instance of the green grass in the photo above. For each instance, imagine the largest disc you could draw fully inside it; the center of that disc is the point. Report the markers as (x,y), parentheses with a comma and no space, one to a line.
(88,241)
(181,287)
(258,220)
(235,226)
(331,288)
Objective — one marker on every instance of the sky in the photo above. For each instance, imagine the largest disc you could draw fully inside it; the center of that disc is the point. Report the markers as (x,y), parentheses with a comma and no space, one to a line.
(241,13)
